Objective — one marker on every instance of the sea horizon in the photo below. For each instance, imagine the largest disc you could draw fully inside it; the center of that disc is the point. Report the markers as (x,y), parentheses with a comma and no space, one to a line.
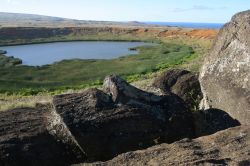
(188,24)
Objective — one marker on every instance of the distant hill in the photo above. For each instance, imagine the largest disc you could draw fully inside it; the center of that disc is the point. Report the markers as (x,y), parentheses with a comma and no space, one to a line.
(32,20)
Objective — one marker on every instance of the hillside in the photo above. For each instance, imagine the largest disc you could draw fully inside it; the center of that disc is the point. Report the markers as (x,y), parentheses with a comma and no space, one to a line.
(32,20)
(18,28)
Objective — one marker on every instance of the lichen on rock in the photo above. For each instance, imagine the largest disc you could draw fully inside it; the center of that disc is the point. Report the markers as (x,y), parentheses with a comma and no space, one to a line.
(225,75)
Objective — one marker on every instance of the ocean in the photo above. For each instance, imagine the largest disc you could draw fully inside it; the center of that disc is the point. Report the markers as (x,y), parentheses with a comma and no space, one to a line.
(189,24)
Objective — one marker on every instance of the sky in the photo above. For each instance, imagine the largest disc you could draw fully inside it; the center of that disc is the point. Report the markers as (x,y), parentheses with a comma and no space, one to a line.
(207,11)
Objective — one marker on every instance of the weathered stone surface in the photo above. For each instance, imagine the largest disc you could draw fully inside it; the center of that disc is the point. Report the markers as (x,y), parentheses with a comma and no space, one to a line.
(98,125)
(36,137)
(122,118)
(229,147)
(225,75)
(182,83)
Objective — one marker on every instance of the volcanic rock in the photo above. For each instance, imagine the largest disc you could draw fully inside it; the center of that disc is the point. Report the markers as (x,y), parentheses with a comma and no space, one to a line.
(122,118)
(36,136)
(182,83)
(229,147)
(225,75)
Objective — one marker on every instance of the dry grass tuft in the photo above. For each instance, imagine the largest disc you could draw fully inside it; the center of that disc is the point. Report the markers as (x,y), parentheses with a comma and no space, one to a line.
(15,101)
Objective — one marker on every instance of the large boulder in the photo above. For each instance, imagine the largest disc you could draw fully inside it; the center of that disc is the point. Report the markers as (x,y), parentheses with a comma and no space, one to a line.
(182,83)
(122,118)
(229,147)
(36,136)
(225,75)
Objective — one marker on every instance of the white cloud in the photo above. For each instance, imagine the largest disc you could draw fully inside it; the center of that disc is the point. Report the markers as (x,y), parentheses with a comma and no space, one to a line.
(198,7)
(13,2)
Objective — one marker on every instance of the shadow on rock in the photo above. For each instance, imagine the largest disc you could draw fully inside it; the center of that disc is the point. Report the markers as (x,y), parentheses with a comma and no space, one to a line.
(186,85)
(228,147)
(211,121)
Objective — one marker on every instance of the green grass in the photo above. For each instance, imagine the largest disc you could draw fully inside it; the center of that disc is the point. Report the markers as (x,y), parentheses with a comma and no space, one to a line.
(79,74)
(9,61)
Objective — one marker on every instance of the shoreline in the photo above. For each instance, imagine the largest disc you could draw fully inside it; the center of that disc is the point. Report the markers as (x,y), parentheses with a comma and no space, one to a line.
(90,40)
(3,52)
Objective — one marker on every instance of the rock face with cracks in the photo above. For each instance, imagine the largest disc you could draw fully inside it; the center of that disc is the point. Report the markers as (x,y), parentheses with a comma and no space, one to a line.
(37,136)
(225,75)
(122,118)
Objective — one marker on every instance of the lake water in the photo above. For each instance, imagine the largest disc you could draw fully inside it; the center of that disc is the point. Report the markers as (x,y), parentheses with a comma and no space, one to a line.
(48,53)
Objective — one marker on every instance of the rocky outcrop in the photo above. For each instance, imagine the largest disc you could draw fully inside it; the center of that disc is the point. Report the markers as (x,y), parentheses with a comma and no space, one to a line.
(225,75)
(97,125)
(182,83)
(186,85)
(37,136)
(3,52)
(122,118)
(229,147)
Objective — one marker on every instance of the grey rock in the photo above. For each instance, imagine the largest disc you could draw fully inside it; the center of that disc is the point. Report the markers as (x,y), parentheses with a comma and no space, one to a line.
(225,75)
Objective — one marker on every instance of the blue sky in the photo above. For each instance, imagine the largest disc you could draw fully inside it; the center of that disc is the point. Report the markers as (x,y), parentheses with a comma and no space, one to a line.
(213,11)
